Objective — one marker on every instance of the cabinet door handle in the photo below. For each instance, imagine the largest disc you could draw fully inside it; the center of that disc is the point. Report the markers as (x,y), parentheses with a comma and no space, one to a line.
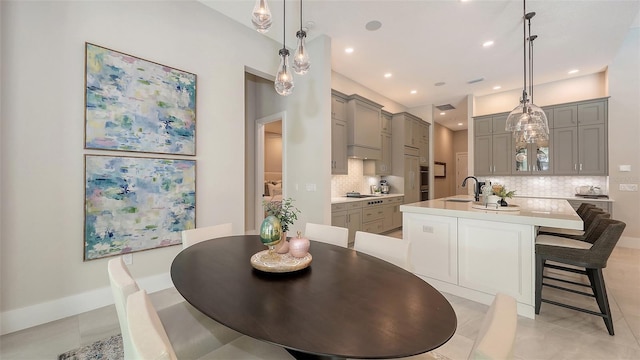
(580,167)
(575,167)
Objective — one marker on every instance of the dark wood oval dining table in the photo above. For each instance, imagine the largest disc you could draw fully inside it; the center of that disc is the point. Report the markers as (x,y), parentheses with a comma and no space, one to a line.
(346,304)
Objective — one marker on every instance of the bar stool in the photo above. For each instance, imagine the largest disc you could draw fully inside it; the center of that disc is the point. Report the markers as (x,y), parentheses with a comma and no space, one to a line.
(588,216)
(591,254)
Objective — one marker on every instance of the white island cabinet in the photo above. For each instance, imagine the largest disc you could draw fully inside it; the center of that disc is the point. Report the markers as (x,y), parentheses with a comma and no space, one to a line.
(476,253)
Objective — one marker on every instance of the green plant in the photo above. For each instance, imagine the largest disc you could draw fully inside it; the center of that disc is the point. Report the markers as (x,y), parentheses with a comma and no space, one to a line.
(283,210)
(501,191)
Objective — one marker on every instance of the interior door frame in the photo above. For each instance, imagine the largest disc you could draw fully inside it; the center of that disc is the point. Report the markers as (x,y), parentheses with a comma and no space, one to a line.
(459,168)
(259,161)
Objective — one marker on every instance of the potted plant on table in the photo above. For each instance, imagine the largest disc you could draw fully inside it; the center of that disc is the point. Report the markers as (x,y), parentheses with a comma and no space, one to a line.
(287,213)
(501,190)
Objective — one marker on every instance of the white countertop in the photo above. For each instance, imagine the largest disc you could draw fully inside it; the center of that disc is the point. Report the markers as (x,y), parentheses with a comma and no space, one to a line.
(578,198)
(533,211)
(345,199)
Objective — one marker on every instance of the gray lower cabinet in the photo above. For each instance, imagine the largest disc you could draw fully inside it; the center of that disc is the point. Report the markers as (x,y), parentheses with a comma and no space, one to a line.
(348,215)
(359,216)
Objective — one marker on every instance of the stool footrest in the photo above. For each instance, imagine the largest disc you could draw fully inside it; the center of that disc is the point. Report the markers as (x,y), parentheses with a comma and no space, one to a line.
(564,268)
(565,281)
(569,290)
(574,308)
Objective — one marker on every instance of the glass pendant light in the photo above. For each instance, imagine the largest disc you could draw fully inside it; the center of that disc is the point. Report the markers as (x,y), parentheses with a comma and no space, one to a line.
(261,16)
(527,121)
(301,61)
(284,78)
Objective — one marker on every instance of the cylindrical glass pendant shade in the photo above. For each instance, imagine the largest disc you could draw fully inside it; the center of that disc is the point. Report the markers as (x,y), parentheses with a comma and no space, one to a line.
(261,16)
(301,61)
(284,78)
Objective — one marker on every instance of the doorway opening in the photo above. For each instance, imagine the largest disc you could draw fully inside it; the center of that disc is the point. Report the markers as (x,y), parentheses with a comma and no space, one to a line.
(269,163)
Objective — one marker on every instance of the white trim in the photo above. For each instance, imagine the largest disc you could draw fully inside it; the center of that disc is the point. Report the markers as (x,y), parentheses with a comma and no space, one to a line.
(38,314)
(629,242)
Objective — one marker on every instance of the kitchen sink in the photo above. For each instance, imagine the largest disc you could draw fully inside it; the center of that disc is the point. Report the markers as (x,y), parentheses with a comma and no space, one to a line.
(458,199)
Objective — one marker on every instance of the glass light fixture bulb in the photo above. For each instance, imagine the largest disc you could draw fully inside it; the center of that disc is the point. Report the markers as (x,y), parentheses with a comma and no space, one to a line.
(301,61)
(261,16)
(284,77)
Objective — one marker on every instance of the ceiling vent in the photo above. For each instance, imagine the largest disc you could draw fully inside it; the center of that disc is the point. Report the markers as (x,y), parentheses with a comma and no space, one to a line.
(445,107)
(475,80)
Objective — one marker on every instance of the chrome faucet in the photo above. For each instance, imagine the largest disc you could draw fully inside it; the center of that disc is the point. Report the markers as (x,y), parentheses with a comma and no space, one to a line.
(476,191)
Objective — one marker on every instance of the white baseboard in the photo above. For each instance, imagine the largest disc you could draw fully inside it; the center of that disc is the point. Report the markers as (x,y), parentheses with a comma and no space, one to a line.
(29,316)
(629,242)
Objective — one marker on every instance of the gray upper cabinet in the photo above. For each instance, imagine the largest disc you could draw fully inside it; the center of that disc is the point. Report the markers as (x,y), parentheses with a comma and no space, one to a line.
(577,143)
(363,119)
(338,106)
(565,116)
(385,124)
(492,145)
(338,133)
(581,149)
(382,166)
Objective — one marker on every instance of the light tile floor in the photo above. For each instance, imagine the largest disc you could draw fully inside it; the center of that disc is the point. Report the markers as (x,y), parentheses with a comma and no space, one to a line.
(557,333)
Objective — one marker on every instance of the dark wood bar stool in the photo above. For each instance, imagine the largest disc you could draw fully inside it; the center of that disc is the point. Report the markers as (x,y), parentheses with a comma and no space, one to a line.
(591,255)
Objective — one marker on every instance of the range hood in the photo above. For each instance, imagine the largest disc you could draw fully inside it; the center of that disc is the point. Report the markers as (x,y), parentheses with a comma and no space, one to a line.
(363,152)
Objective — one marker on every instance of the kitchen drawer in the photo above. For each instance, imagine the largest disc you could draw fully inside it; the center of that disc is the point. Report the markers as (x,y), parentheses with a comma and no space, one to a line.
(393,200)
(346,206)
(374,227)
(372,213)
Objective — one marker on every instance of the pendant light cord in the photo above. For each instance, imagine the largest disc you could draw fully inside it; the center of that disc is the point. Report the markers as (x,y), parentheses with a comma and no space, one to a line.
(284,24)
(300,15)
(524,53)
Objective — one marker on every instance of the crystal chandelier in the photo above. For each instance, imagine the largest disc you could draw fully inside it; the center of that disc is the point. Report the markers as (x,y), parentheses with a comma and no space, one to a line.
(528,122)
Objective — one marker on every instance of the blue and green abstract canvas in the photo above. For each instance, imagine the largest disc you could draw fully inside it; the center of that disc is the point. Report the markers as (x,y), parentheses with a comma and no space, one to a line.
(134,203)
(137,105)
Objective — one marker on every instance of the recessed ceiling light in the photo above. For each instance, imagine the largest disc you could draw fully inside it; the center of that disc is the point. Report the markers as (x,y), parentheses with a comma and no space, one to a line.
(373,25)
(459,124)
(497,87)
(348,50)
(414,91)
(487,43)
(573,71)
(387,75)
(442,113)
(440,83)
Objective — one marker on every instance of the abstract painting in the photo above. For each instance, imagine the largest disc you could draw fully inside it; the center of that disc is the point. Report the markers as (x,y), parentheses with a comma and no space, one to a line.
(133,104)
(134,203)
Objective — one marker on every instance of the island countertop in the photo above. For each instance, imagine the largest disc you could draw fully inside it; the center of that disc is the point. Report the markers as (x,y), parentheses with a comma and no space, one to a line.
(532,211)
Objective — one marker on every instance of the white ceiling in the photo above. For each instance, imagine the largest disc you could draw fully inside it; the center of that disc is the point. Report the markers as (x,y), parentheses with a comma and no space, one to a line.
(423,42)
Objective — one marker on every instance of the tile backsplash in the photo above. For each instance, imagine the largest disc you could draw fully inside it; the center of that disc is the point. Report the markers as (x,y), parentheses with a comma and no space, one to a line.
(355,181)
(545,186)
(549,186)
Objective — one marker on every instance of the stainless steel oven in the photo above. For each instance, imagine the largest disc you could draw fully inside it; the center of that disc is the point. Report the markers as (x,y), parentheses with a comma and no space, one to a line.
(424,183)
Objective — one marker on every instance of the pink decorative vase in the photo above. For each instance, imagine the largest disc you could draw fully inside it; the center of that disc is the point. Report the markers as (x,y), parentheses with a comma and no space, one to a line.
(283,246)
(299,246)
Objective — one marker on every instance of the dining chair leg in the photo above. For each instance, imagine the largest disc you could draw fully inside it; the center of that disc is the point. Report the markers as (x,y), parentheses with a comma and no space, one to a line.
(539,273)
(600,291)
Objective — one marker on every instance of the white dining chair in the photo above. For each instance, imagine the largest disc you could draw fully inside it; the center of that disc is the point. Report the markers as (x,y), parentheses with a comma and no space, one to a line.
(496,337)
(194,236)
(150,341)
(497,334)
(191,332)
(390,249)
(333,235)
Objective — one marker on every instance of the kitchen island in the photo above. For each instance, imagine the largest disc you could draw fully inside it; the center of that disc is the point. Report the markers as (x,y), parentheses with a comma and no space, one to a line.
(474,252)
